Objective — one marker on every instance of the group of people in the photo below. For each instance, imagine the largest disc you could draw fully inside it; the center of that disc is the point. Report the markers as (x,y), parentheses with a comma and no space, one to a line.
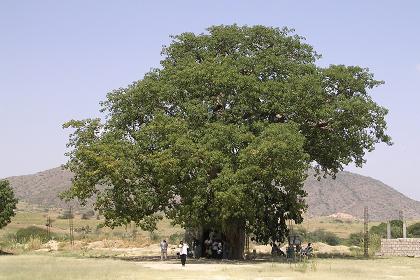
(276,251)
(183,251)
(213,248)
(299,251)
(305,252)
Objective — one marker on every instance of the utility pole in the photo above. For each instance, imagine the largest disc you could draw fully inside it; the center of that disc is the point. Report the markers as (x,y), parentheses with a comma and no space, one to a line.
(49,225)
(366,231)
(71,227)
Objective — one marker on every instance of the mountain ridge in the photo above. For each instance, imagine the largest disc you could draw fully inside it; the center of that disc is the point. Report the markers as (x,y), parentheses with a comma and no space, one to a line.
(349,193)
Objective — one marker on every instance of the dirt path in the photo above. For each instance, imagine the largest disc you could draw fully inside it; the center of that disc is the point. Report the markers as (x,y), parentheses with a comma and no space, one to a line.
(205,267)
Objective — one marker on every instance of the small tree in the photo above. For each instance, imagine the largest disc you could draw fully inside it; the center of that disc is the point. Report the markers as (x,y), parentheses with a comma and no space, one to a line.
(7,203)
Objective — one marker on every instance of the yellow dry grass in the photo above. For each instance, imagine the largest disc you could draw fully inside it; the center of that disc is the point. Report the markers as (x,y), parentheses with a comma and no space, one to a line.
(46,267)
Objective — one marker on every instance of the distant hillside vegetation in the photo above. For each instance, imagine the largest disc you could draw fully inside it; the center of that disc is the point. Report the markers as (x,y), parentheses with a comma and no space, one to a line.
(348,193)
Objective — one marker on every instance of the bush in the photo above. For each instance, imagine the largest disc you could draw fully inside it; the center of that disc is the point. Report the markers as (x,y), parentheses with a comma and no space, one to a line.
(302,233)
(25,234)
(318,235)
(34,243)
(321,235)
(84,216)
(332,239)
(374,243)
(396,229)
(175,238)
(9,241)
(414,230)
(154,236)
(356,239)
(66,215)
(88,214)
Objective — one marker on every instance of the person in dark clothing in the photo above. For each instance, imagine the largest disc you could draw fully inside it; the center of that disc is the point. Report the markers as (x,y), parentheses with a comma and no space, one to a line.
(220,250)
(308,250)
(276,251)
(214,247)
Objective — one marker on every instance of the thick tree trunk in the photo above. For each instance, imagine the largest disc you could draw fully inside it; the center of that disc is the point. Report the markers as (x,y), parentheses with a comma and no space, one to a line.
(235,237)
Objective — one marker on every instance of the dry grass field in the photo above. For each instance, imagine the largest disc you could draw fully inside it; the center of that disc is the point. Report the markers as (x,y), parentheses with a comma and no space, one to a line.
(52,267)
(25,218)
(117,254)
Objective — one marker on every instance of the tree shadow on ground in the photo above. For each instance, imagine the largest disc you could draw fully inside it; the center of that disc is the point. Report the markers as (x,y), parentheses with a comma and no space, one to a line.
(193,260)
(258,259)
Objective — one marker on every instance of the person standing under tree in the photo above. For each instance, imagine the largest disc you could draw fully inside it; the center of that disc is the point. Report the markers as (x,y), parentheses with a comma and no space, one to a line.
(183,252)
(163,250)
(308,250)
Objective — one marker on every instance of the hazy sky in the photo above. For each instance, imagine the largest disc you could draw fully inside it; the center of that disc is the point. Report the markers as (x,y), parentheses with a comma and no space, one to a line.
(58,59)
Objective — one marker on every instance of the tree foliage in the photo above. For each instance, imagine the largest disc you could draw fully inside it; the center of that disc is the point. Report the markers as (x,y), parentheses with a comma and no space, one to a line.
(7,203)
(381,229)
(414,230)
(356,239)
(222,134)
(318,235)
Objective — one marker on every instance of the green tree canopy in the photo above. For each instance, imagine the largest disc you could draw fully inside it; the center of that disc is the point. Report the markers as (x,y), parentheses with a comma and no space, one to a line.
(381,229)
(414,230)
(7,203)
(222,134)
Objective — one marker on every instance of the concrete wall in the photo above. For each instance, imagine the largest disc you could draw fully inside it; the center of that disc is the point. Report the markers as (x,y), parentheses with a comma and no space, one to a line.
(400,247)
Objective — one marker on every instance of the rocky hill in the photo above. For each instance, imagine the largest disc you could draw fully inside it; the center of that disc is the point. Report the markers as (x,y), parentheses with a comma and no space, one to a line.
(348,193)
(42,188)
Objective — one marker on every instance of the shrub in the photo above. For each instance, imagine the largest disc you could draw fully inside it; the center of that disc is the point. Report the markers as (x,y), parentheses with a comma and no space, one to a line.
(414,230)
(84,217)
(65,215)
(396,229)
(88,214)
(332,239)
(374,243)
(34,243)
(302,232)
(175,238)
(9,241)
(321,235)
(25,234)
(318,235)
(154,236)
(356,239)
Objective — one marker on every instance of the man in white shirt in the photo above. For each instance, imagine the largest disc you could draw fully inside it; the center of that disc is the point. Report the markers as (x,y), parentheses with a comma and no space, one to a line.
(183,252)
(163,250)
